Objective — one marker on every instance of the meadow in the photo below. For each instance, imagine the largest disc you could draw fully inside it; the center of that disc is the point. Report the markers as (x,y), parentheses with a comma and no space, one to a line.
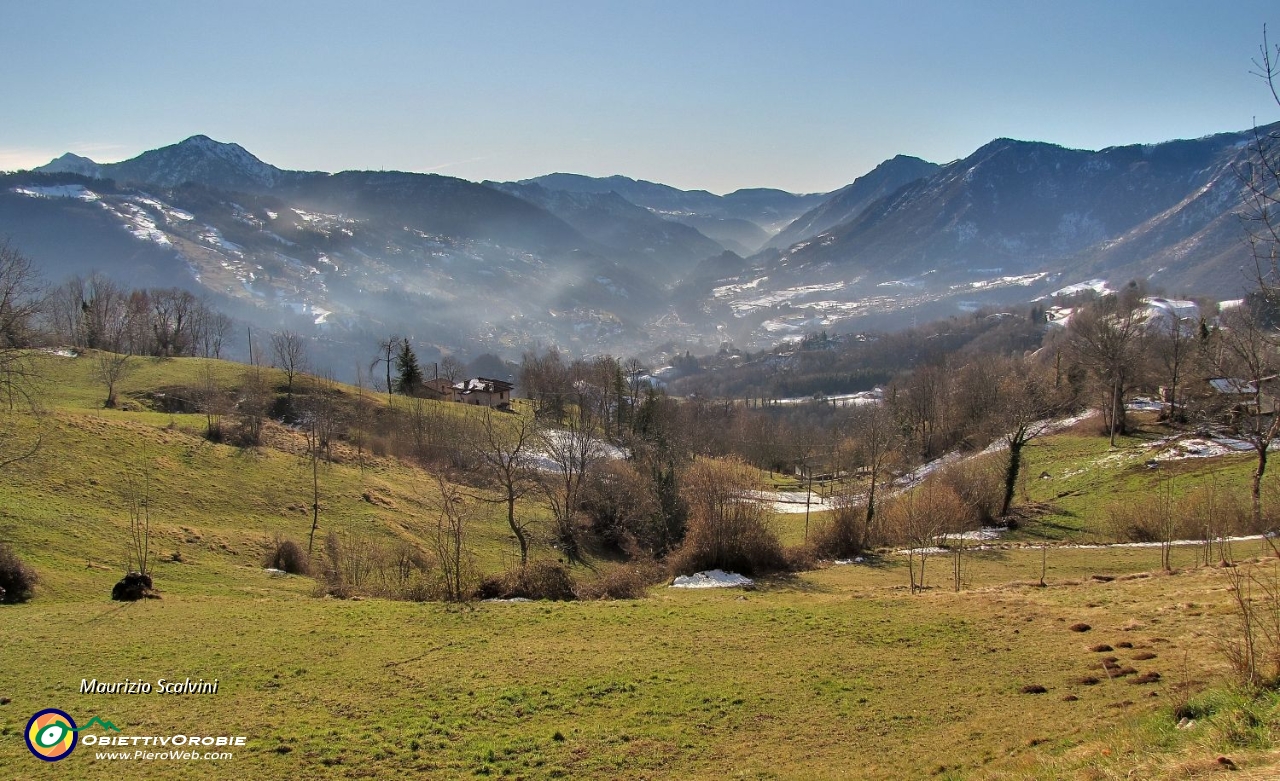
(837,672)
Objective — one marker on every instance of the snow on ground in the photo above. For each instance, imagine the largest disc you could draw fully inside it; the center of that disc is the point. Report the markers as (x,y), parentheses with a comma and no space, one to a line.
(139,222)
(543,461)
(1099,286)
(793,502)
(935,551)
(715,578)
(213,236)
(169,213)
(58,191)
(874,396)
(1025,280)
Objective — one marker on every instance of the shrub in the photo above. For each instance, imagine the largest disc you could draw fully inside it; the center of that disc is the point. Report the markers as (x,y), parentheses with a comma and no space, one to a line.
(846,533)
(289,556)
(979,484)
(17,580)
(535,580)
(631,581)
(727,528)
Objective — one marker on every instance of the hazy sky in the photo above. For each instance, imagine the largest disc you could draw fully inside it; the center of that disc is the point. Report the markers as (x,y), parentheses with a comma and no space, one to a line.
(805,96)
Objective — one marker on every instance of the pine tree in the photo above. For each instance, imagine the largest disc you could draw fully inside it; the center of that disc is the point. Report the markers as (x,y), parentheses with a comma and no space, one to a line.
(410,380)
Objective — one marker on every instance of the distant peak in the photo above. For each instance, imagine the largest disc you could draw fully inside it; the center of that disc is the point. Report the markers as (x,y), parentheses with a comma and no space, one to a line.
(72,164)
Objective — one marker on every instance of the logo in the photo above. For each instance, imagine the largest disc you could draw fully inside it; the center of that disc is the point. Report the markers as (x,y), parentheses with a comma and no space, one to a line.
(51,735)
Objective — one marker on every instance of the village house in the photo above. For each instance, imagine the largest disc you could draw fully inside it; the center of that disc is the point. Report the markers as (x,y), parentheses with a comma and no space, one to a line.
(484,392)
(480,391)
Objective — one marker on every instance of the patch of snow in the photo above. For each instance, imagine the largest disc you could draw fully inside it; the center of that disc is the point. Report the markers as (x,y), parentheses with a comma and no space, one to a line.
(75,191)
(712,579)
(1099,286)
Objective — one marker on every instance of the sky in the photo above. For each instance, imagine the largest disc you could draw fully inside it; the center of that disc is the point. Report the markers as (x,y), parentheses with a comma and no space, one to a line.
(803,96)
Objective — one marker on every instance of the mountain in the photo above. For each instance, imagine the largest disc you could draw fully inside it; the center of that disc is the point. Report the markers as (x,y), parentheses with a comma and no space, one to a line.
(72,164)
(1012,222)
(627,231)
(767,208)
(622,265)
(1019,207)
(198,159)
(851,200)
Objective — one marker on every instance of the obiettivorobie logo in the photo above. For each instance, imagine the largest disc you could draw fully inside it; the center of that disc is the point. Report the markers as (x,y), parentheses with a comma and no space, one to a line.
(52,734)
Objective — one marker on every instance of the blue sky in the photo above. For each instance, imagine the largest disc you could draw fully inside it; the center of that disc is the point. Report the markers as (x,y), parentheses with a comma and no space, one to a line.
(805,96)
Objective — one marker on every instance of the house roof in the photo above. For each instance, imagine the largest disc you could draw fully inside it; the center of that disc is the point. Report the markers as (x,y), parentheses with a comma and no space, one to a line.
(483,385)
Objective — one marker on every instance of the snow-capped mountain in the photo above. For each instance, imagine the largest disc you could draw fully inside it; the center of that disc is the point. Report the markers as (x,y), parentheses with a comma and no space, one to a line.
(612,265)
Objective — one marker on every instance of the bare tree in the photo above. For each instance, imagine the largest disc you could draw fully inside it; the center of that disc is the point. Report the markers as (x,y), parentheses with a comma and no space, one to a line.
(386,353)
(919,518)
(211,400)
(503,444)
(216,334)
(572,450)
(1026,402)
(1174,342)
(320,423)
(290,351)
(1249,361)
(136,492)
(20,302)
(1261,178)
(729,526)
(452,369)
(450,540)
(876,444)
(1106,338)
(111,369)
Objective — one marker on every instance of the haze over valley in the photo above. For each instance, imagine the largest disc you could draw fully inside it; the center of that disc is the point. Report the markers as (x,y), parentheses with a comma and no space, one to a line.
(633,267)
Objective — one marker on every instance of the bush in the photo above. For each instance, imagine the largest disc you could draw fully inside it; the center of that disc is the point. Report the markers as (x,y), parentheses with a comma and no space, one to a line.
(845,534)
(631,581)
(536,580)
(17,580)
(979,484)
(726,528)
(289,556)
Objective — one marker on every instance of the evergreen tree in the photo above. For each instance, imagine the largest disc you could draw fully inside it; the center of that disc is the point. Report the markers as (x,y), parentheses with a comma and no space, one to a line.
(409,381)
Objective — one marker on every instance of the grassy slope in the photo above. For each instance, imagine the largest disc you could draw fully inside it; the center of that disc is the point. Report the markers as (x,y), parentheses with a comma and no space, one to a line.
(835,673)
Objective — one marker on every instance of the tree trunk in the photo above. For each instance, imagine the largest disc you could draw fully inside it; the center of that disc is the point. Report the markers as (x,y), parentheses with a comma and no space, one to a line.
(1011,475)
(516,530)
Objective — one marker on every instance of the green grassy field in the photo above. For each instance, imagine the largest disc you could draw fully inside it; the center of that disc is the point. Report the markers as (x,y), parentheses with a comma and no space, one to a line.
(833,673)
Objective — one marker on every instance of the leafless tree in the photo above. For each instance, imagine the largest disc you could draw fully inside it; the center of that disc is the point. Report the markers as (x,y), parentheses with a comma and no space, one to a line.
(215,333)
(1249,361)
(320,421)
(1174,344)
(573,450)
(111,369)
(386,356)
(450,540)
(289,349)
(20,302)
(876,444)
(452,369)
(503,445)
(919,517)
(211,400)
(1106,338)
(253,405)
(1261,178)
(729,526)
(1026,401)
(136,492)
